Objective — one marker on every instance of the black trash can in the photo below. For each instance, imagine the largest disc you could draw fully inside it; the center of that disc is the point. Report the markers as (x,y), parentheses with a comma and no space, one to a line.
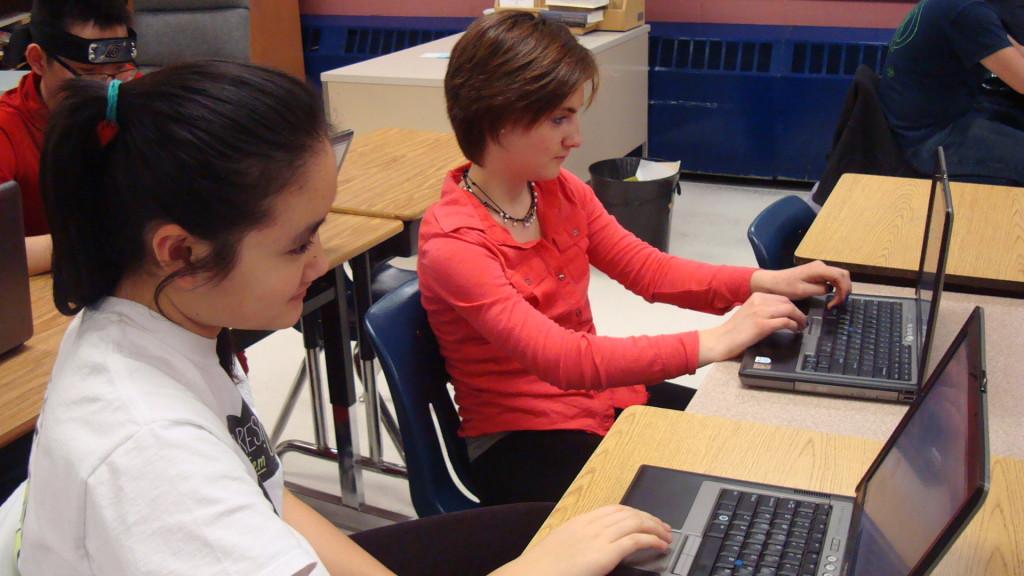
(643,208)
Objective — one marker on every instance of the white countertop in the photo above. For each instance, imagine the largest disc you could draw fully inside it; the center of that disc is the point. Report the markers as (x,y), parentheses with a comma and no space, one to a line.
(409,67)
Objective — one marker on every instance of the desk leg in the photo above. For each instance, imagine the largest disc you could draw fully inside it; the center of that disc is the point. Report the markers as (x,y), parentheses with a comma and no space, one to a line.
(361,280)
(342,388)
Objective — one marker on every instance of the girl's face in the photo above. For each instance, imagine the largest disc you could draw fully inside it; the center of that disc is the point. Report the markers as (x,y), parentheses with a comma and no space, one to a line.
(537,152)
(276,263)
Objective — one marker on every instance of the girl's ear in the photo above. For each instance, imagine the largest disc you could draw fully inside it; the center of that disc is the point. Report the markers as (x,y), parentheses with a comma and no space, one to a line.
(173,249)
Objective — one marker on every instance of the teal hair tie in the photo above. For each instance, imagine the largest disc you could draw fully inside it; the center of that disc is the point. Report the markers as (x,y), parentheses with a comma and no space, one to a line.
(112,90)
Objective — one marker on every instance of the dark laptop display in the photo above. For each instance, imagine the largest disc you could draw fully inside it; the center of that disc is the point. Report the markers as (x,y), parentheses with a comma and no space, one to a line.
(933,258)
(931,472)
(919,493)
(15,300)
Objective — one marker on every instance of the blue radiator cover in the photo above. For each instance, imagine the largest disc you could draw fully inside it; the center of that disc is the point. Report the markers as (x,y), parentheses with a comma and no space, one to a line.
(760,101)
(330,42)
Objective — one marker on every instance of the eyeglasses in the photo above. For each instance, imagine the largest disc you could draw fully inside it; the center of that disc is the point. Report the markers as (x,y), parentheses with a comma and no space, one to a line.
(123,74)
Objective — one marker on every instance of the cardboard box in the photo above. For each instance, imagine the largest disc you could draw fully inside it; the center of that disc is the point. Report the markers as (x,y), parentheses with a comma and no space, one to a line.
(622,15)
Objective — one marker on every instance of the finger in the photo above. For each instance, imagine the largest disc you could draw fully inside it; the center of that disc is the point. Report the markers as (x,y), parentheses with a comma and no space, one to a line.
(843,286)
(629,544)
(637,522)
(787,310)
(776,324)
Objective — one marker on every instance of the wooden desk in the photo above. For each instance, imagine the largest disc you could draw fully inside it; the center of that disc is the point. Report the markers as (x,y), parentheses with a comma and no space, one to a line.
(395,173)
(25,371)
(798,458)
(874,225)
(405,90)
(721,394)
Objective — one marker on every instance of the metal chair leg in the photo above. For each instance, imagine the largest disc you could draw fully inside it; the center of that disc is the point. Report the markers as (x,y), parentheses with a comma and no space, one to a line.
(289,405)
(391,426)
(320,448)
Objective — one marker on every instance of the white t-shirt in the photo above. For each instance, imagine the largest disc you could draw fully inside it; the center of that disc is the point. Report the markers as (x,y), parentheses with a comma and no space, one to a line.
(149,460)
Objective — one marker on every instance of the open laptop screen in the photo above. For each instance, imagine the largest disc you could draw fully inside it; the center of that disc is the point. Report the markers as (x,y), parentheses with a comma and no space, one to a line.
(931,470)
(938,226)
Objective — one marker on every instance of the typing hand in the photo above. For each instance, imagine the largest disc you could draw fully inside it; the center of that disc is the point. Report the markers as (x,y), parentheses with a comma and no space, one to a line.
(799,282)
(759,316)
(591,544)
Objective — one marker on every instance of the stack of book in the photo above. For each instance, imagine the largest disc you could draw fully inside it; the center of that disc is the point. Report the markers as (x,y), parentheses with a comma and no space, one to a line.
(581,16)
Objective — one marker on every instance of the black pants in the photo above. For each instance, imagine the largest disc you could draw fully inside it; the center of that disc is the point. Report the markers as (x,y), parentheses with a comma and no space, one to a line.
(15,464)
(539,465)
(467,543)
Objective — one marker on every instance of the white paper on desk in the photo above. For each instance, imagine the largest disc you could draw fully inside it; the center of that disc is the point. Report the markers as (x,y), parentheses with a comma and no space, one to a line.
(515,3)
(436,55)
(655,170)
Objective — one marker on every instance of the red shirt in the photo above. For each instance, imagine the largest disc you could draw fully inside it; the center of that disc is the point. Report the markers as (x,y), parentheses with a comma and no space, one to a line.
(23,117)
(513,321)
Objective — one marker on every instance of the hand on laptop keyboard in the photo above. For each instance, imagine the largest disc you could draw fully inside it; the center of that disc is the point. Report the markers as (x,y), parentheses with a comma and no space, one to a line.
(759,316)
(592,543)
(812,279)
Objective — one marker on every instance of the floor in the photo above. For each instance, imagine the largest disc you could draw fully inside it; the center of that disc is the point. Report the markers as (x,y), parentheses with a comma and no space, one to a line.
(709,223)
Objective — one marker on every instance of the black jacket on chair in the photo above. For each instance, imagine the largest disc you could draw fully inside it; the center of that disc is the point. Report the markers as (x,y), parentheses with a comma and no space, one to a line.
(862,142)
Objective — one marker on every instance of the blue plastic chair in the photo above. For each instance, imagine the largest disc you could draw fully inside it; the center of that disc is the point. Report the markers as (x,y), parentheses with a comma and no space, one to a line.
(776,232)
(408,353)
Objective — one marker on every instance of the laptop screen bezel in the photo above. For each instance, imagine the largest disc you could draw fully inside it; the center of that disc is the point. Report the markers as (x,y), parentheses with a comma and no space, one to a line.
(972,331)
(939,181)
(340,139)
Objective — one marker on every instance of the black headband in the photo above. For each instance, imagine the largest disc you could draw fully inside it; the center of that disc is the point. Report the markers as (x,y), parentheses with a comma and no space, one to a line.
(58,42)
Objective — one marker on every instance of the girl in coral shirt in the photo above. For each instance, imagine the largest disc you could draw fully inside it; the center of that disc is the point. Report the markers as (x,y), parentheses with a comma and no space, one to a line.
(505,260)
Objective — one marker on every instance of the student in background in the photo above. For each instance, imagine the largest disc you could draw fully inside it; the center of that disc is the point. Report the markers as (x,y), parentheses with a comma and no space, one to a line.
(62,31)
(504,265)
(181,203)
(931,87)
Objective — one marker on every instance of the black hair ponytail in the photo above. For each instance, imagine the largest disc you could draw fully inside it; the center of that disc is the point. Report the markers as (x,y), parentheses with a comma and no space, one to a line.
(204,145)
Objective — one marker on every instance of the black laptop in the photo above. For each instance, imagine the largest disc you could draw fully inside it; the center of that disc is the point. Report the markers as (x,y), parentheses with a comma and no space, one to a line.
(919,493)
(15,301)
(872,347)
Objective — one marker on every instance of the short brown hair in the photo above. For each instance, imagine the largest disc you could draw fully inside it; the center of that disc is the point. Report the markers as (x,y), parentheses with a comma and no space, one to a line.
(511,69)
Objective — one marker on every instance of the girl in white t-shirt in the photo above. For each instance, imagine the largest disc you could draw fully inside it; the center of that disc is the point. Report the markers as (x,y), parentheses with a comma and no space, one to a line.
(181,203)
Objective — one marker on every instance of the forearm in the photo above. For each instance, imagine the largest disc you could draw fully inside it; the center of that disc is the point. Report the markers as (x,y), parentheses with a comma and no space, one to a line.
(39,250)
(338,553)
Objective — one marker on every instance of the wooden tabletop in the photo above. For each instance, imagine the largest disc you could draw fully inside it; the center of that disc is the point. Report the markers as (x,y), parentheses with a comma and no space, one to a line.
(395,173)
(874,225)
(25,371)
(722,394)
(345,236)
(788,457)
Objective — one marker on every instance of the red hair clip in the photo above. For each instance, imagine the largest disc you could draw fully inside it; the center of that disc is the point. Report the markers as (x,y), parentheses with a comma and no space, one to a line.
(105,131)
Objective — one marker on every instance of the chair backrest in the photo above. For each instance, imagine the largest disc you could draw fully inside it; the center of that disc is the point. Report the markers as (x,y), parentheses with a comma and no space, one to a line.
(863,141)
(776,232)
(172,31)
(408,352)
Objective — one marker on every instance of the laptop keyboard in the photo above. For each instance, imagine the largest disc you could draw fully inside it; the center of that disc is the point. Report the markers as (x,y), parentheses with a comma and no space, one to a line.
(761,535)
(862,338)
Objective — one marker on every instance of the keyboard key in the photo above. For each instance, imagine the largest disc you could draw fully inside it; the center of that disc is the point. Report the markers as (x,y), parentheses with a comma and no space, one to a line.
(750,559)
(717,530)
(729,496)
(767,504)
(706,555)
(747,504)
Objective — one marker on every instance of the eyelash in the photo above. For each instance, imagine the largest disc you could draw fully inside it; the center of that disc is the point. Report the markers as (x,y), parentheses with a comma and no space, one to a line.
(302,249)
